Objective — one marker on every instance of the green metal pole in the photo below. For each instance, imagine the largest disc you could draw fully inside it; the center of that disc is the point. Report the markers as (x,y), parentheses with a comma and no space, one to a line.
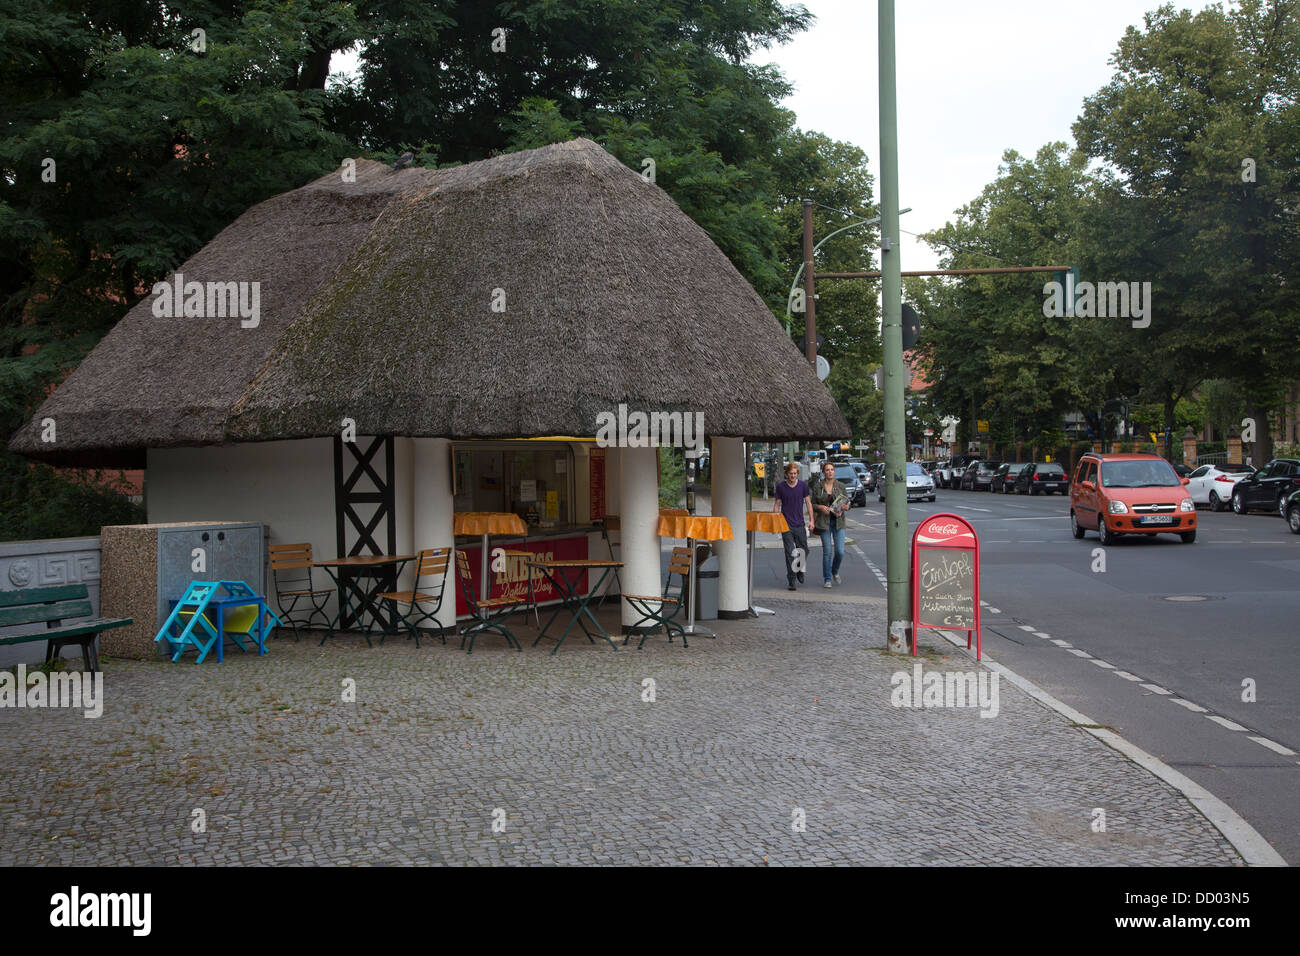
(896,537)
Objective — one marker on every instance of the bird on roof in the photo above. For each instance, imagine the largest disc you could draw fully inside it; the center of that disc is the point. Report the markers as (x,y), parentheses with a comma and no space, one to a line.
(406,159)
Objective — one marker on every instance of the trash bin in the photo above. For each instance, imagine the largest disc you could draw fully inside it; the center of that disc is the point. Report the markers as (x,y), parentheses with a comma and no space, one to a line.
(706,579)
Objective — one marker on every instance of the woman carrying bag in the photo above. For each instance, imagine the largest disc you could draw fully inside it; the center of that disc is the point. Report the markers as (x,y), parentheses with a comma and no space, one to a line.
(830,501)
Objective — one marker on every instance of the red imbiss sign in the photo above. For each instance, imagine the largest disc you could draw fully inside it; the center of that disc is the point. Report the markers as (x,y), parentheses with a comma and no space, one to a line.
(946,577)
(512,581)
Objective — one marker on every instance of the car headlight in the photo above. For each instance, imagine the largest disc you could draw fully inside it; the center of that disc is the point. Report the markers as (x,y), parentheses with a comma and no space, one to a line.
(1187,504)
(1118,508)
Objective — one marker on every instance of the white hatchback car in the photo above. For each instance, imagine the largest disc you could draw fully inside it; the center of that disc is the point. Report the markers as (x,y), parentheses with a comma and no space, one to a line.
(1212,484)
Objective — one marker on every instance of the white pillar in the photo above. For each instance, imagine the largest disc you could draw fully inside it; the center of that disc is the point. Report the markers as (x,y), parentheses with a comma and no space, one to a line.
(639,540)
(729,502)
(431,512)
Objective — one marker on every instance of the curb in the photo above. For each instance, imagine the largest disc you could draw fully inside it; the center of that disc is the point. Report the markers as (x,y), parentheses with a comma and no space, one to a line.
(1245,839)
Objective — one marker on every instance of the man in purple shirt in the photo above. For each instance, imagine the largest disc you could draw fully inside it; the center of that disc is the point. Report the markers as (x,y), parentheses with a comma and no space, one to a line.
(794,500)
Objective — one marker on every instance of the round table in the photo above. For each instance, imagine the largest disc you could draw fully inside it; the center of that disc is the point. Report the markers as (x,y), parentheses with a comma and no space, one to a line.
(772,522)
(693,528)
(486,523)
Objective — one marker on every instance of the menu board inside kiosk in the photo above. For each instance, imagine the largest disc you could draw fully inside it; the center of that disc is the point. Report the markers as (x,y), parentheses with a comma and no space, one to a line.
(945,588)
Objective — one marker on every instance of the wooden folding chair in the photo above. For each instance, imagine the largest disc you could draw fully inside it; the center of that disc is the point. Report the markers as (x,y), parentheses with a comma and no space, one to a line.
(425,596)
(486,612)
(291,569)
(662,609)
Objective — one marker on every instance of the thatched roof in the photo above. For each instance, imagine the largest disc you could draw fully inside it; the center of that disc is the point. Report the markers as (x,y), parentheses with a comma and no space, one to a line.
(376,305)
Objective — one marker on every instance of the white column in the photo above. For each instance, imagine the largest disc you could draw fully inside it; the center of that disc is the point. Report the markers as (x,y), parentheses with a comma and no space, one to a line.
(639,506)
(729,502)
(431,512)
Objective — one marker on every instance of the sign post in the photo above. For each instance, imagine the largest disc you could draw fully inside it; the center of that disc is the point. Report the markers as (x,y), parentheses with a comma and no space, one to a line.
(946,578)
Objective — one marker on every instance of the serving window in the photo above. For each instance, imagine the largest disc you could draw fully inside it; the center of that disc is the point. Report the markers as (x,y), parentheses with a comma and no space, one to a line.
(533,479)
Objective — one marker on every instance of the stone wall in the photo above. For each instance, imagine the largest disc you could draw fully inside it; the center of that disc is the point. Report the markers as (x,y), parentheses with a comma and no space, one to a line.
(35,564)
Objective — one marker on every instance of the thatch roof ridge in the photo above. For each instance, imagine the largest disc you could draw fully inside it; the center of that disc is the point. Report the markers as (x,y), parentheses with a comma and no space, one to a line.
(612,295)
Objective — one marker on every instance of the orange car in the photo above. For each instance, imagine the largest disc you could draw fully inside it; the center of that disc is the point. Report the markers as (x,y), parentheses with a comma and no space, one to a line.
(1130,494)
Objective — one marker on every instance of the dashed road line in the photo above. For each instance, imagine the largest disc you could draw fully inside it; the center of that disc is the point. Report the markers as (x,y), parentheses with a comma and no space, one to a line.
(1273,746)
(1254,849)
(1150,688)
(1225,722)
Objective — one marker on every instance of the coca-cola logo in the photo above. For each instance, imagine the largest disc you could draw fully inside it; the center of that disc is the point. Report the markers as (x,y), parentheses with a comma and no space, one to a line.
(947,529)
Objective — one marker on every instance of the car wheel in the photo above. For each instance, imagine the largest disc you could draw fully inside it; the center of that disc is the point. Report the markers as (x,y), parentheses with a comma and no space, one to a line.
(1074,525)
(1033,491)
(1187,536)
(1104,534)
(1281,506)
(1238,505)
(1293,519)
(1216,503)
(932,497)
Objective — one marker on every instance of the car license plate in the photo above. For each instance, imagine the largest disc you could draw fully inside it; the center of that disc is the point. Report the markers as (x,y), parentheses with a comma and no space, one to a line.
(1158,519)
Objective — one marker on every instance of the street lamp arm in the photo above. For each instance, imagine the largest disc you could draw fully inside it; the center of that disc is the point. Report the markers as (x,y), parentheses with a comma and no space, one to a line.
(799,272)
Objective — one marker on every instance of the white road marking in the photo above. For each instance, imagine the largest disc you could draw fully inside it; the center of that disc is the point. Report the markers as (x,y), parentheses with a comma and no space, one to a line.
(1195,708)
(1060,643)
(994,610)
(1275,747)
(1026,627)
(1157,689)
(1225,722)
(1078,653)
(1101,663)
(1041,634)
(1126,675)
(1255,850)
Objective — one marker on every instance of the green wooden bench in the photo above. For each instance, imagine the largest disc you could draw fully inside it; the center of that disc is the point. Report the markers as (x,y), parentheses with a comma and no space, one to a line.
(52,605)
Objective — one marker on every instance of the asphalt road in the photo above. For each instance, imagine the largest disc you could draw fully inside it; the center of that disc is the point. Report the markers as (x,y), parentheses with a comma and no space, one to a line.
(1175,684)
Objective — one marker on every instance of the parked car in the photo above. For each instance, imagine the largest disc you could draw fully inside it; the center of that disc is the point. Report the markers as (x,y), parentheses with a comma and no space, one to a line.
(1267,488)
(979,475)
(1004,479)
(866,480)
(919,484)
(952,475)
(1042,477)
(1182,471)
(847,474)
(1212,484)
(1293,512)
(1130,494)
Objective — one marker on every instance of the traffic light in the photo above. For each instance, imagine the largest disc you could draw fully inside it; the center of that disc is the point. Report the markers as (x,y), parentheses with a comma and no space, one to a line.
(911,327)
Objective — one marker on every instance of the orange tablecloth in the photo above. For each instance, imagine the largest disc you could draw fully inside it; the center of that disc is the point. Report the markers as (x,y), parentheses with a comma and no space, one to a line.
(699,527)
(488,522)
(673,511)
(772,521)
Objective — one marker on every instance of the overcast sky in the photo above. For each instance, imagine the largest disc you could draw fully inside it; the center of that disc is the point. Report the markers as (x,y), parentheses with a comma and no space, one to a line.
(974,79)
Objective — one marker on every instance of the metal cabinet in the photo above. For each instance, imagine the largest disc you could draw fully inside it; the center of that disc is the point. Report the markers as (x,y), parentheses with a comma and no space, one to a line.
(209,552)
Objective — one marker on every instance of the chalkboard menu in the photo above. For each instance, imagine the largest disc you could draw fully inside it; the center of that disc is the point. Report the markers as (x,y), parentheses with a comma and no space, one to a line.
(946,577)
(945,588)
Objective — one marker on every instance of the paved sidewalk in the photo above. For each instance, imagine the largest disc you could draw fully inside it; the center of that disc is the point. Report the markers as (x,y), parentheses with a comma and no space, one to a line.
(784,714)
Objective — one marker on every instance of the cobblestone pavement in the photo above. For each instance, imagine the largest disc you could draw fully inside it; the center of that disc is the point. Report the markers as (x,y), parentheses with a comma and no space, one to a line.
(789,713)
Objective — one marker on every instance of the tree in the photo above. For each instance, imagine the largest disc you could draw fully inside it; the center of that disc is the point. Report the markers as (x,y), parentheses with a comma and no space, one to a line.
(990,351)
(1200,127)
(127,145)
